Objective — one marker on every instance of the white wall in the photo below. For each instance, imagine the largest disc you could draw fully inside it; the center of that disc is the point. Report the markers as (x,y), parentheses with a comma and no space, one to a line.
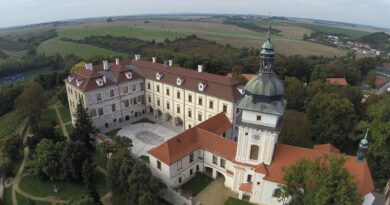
(266,119)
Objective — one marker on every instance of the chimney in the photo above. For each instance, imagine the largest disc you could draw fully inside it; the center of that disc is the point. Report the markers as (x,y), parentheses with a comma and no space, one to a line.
(137,57)
(89,66)
(170,63)
(105,65)
(200,68)
(154,59)
(104,79)
(117,61)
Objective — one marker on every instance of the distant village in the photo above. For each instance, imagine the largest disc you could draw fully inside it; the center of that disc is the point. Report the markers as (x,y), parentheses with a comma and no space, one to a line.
(358,47)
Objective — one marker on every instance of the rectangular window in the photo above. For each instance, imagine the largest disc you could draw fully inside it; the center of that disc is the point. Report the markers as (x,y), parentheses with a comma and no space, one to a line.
(179,179)
(249,178)
(191,172)
(199,117)
(101,111)
(125,89)
(93,112)
(179,165)
(113,108)
(149,99)
(127,103)
(224,109)
(222,163)
(189,113)
(167,92)
(191,157)
(111,93)
(158,165)
(158,89)
(211,104)
(98,96)
(158,102)
(178,95)
(148,86)
(140,98)
(215,160)
(200,101)
(258,118)
(168,107)
(190,98)
(178,109)
(134,87)
(142,86)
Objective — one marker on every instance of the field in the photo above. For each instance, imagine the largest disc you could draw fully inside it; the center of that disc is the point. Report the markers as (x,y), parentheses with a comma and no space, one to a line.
(159,30)
(329,29)
(9,122)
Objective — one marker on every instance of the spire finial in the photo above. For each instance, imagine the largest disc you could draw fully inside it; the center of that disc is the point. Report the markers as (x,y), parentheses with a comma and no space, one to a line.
(368,129)
(269,27)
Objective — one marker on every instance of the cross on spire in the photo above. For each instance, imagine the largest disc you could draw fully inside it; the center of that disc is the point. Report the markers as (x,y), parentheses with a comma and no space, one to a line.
(269,27)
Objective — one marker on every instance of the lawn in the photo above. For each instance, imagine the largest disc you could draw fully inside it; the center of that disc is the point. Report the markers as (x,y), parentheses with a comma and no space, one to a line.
(23,200)
(65,113)
(100,160)
(52,100)
(49,117)
(197,184)
(9,122)
(40,188)
(7,196)
(55,45)
(334,30)
(69,128)
(234,201)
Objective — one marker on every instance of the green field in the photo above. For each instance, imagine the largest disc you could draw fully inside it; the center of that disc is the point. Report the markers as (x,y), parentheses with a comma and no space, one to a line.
(334,30)
(9,122)
(65,113)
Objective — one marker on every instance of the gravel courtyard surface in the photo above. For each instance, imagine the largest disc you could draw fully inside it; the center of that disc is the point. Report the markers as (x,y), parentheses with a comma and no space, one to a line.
(146,136)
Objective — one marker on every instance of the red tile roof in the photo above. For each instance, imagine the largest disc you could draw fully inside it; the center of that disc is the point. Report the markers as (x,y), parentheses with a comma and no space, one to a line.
(326,148)
(337,81)
(195,138)
(286,155)
(246,187)
(380,81)
(247,76)
(217,85)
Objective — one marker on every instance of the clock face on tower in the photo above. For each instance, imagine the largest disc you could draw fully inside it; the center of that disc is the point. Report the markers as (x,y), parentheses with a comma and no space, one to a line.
(256,137)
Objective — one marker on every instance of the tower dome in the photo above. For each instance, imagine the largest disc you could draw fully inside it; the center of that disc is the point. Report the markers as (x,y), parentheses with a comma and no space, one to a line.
(265,84)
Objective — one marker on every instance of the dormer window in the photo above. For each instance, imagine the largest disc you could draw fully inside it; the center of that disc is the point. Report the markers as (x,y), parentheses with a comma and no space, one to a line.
(201,86)
(159,76)
(70,78)
(179,81)
(129,75)
(79,82)
(99,82)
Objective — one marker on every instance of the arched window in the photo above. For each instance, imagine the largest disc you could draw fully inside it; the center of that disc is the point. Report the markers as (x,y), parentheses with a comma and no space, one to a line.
(254,153)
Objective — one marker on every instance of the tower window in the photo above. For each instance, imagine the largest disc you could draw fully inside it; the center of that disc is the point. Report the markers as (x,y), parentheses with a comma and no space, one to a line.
(254,152)
(258,118)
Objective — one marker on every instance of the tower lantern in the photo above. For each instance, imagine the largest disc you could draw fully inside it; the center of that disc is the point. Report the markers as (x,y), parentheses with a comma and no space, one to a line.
(363,148)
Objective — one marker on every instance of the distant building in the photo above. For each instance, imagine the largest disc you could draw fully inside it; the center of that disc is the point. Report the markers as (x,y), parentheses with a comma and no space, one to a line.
(337,81)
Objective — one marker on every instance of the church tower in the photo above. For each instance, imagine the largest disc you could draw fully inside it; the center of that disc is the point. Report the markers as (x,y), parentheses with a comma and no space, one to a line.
(262,111)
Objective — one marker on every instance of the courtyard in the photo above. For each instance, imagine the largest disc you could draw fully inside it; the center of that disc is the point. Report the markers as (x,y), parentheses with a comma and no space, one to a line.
(146,136)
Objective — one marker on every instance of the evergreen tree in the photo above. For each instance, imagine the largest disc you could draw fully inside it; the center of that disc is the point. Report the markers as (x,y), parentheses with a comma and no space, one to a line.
(83,126)
(88,170)
(72,158)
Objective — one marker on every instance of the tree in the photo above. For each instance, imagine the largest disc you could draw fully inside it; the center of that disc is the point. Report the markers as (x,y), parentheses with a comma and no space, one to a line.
(40,132)
(88,169)
(296,129)
(144,189)
(83,128)
(78,66)
(332,118)
(32,101)
(119,168)
(10,147)
(72,158)
(45,162)
(378,121)
(122,143)
(321,181)
(82,200)
(294,93)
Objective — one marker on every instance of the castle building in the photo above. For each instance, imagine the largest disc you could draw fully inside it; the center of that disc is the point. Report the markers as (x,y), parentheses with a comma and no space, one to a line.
(252,166)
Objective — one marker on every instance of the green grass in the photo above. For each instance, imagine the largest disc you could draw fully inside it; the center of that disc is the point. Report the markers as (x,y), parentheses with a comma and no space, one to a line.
(35,72)
(7,200)
(116,200)
(49,117)
(334,30)
(53,100)
(65,114)
(40,188)
(234,201)
(145,158)
(69,128)
(21,199)
(9,122)
(53,46)
(100,160)
(197,184)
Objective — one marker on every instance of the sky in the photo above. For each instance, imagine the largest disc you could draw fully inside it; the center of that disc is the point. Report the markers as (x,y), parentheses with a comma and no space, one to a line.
(23,12)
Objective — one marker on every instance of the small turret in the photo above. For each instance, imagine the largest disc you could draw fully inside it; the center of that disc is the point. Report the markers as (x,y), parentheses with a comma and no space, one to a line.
(363,147)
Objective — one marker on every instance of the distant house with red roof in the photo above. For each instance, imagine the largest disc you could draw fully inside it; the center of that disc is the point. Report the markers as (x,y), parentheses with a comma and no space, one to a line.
(337,81)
